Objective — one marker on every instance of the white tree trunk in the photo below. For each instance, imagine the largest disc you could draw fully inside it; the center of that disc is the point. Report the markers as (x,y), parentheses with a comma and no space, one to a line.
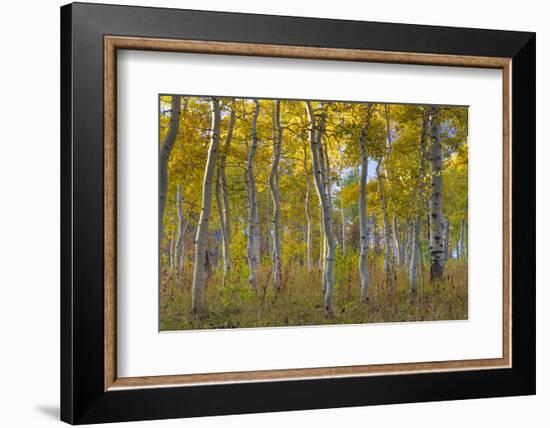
(419,203)
(322,248)
(398,242)
(165,149)
(437,249)
(201,261)
(223,229)
(222,199)
(389,242)
(415,253)
(252,243)
(309,235)
(268,225)
(363,225)
(171,254)
(308,232)
(343,215)
(180,242)
(274,186)
(408,245)
(321,184)
(387,230)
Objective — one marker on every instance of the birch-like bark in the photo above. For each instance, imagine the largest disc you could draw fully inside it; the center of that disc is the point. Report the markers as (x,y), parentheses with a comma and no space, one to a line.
(415,253)
(222,198)
(180,242)
(252,243)
(268,225)
(419,202)
(408,245)
(437,249)
(389,243)
(201,259)
(447,226)
(274,186)
(387,230)
(322,248)
(165,150)
(343,215)
(257,230)
(327,171)
(320,176)
(309,236)
(323,157)
(219,206)
(171,254)
(393,230)
(363,225)
(396,242)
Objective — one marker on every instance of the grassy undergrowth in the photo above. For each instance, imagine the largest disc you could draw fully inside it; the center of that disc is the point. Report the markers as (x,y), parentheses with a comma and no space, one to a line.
(300,302)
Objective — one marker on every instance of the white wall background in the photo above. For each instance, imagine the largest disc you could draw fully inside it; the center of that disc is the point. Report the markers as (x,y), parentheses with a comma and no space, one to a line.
(29,214)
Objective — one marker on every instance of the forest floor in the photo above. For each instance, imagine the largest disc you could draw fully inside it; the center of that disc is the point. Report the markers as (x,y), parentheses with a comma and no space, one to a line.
(300,302)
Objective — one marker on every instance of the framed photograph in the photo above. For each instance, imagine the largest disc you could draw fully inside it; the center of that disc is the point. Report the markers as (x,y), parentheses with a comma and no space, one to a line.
(266,213)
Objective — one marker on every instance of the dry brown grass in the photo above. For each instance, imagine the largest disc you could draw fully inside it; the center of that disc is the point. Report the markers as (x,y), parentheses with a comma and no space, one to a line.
(300,302)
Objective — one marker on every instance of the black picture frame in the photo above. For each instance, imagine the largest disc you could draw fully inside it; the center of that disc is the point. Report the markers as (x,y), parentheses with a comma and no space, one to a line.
(83,398)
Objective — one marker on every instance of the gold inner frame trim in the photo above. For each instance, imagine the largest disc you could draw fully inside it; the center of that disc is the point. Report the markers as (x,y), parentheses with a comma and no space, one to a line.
(113,43)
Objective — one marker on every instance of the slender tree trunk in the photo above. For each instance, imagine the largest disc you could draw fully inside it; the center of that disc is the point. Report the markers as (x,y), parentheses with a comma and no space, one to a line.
(363,226)
(408,245)
(201,258)
(319,174)
(268,225)
(419,202)
(222,193)
(252,245)
(401,243)
(421,268)
(387,229)
(437,249)
(165,149)
(257,230)
(389,242)
(447,226)
(415,253)
(395,257)
(465,247)
(327,171)
(180,243)
(274,186)
(323,156)
(459,243)
(171,254)
(397,250)
(223,229)
(308,232)
(343,215)
(309,236)
(321,246)
(172,243)
(461,246)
